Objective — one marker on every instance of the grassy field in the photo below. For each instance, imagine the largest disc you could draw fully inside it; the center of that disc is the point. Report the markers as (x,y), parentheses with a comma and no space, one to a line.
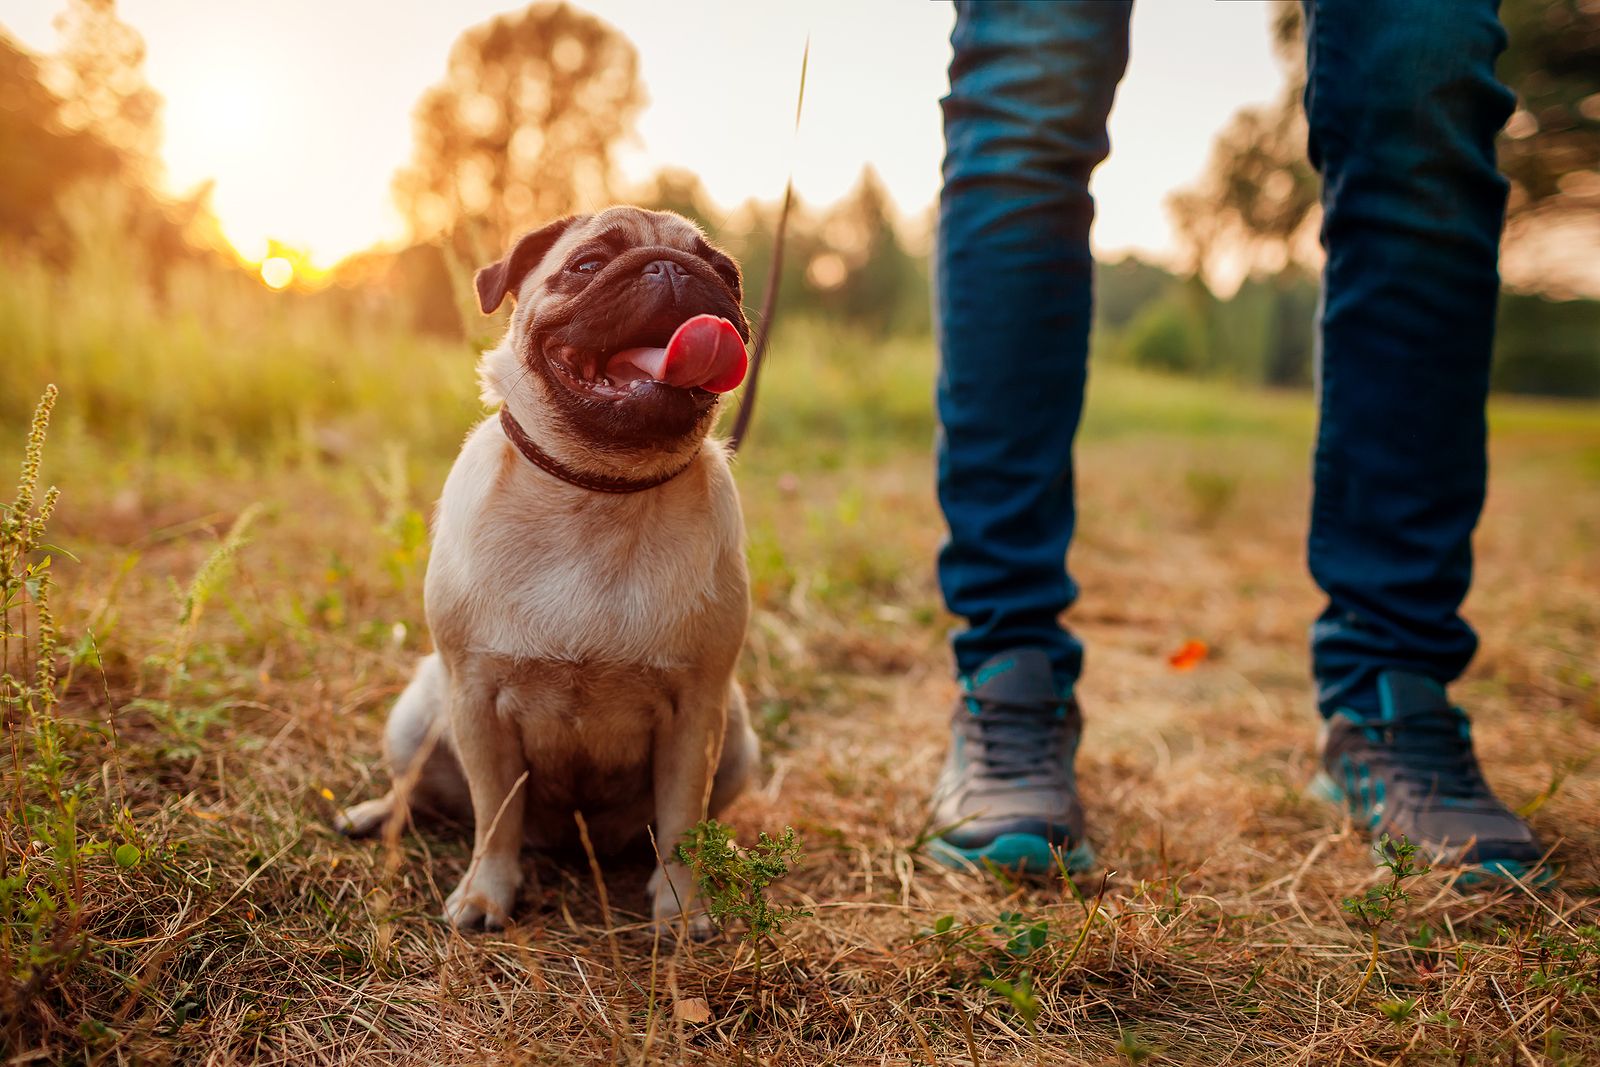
(241,542)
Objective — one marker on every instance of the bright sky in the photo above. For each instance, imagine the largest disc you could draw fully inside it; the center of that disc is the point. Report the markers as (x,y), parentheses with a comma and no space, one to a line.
(301,109)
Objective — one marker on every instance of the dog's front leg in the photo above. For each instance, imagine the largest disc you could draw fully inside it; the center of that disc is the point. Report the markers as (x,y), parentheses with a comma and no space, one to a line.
(688,744)
(492,760)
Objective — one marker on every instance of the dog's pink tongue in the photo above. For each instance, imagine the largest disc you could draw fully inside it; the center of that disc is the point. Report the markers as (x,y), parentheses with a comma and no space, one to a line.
(705,352)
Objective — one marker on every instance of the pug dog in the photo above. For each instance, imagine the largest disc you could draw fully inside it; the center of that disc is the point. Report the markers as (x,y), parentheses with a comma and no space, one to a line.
(586,591)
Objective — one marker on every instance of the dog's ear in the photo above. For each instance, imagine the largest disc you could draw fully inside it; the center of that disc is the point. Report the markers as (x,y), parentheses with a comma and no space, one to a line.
(498,279)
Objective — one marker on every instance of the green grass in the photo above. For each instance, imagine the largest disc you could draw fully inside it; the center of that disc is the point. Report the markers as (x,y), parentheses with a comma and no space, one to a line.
(212,367)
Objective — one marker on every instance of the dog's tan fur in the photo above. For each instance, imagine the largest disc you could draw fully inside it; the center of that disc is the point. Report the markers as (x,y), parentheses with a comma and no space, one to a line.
(586,640)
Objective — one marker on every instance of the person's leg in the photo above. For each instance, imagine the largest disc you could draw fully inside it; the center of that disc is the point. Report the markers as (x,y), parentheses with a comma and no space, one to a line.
(1031,85)
(1403,109)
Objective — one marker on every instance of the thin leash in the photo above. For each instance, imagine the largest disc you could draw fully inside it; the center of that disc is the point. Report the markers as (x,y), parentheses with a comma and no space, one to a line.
(769,300)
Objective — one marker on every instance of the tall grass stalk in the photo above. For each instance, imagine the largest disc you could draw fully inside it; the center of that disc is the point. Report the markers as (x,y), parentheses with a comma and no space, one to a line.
(25,581)
(205,584)
(40,881)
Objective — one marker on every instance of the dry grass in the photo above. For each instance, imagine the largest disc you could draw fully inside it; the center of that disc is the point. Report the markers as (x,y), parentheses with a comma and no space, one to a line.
(250,932)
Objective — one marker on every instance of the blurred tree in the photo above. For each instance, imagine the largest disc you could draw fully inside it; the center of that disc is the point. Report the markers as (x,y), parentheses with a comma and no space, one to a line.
(522,128)
(1124,287)
(675,189)
(1547,347)
(1166,336)
(1551,147)
(63,184)
(1265,330)
(39,156)
(99,75)
(747,233)
(1256,208)
(849,264)
(866,273)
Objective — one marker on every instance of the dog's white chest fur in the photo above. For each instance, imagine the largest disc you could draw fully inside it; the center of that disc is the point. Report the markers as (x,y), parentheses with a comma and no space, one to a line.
(531,574)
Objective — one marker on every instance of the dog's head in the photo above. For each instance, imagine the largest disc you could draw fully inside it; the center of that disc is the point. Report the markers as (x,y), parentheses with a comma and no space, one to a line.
(598,297)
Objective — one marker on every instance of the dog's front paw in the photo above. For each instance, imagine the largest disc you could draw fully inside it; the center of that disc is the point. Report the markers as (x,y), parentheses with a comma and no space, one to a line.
(674,906)
(485,895)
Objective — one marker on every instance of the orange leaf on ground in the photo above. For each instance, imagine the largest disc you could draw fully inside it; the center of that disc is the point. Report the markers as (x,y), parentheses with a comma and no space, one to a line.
(692,1010)
(1190,654)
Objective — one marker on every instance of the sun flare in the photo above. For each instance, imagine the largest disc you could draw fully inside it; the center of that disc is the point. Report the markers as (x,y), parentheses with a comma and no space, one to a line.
(277,272)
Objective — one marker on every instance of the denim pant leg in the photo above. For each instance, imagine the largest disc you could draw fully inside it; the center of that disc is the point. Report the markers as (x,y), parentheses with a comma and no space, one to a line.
(1403,109)
(1031,85)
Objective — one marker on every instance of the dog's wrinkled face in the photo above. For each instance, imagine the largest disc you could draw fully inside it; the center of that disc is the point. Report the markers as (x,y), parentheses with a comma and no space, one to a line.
(596,295)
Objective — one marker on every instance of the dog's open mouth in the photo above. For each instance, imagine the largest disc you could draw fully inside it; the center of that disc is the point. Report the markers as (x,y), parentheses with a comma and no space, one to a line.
(705,354)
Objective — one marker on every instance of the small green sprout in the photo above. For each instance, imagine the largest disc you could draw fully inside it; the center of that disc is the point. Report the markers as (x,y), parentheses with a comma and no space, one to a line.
(1383,902)
(733,881)
(1019,994)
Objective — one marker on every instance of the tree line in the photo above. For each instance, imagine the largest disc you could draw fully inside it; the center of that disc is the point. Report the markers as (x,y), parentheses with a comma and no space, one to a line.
(523,126)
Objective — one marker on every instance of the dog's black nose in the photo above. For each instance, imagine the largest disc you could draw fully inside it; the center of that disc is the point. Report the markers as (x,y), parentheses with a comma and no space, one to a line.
(665,270)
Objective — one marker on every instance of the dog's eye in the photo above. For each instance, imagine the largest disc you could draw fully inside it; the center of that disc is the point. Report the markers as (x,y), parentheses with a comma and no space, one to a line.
(587,266)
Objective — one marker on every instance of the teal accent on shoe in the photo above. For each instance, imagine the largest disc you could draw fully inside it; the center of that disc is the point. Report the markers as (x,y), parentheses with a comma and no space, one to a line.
(1360,794)
(1487,874)
(1397,689)
(971,683)
(991,672)
(1013,852)
(1350,715)
(1474,876)
(1323,787)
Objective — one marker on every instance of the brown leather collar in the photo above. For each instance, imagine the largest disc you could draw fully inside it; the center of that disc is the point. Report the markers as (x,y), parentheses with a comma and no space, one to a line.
(597,483)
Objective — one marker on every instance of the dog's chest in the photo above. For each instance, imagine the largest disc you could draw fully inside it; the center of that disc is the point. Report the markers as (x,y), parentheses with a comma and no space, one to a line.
(583,585)
(626,601)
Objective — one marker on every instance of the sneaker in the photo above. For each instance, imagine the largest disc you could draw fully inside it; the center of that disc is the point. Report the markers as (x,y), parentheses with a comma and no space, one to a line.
(1007,794)
(1410,772)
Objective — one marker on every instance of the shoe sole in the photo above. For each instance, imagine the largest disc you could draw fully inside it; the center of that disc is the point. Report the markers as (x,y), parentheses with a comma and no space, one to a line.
(1014,852)
(1473,875)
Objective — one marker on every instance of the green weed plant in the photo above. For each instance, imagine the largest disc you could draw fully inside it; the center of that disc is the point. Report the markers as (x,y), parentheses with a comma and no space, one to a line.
(733,881)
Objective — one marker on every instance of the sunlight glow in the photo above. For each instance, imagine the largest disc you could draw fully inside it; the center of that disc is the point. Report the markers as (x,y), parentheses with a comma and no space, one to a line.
(301,126)
(277,272)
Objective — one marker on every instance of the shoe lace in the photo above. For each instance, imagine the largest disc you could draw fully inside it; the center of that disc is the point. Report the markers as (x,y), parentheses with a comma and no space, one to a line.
(1020,738)
(1432,750)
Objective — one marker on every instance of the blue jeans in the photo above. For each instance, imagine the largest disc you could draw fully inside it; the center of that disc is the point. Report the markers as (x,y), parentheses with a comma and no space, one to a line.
(1403,109)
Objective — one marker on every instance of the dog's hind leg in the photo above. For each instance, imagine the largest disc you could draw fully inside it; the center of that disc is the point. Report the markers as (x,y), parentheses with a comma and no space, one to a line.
(741,753)
(367,817)
(421,756)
